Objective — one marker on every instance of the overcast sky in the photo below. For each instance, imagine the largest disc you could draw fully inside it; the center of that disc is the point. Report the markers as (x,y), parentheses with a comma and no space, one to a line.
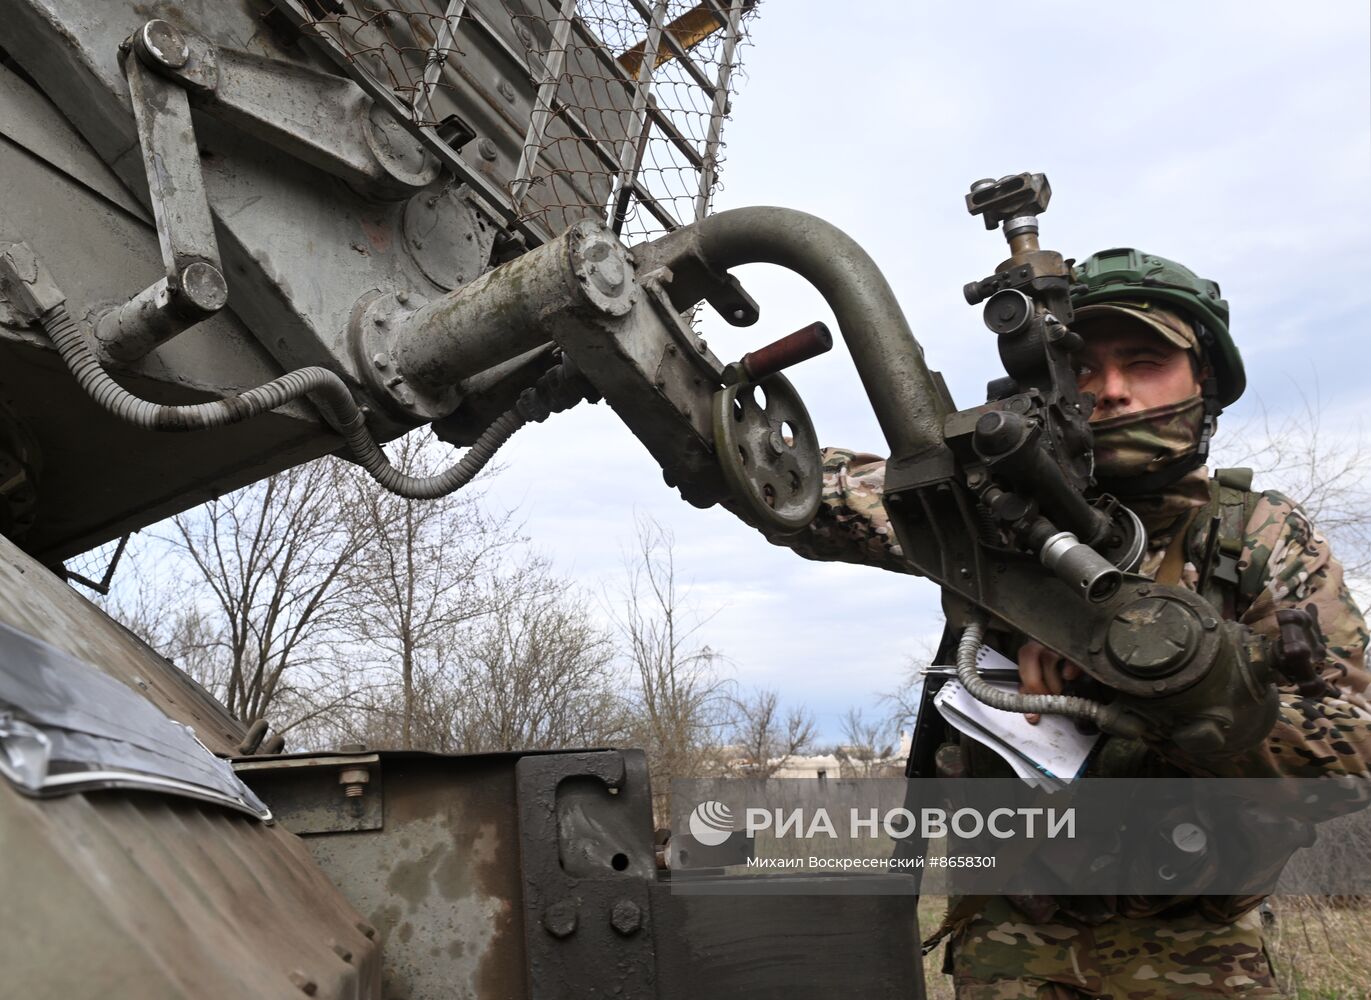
(1232,136)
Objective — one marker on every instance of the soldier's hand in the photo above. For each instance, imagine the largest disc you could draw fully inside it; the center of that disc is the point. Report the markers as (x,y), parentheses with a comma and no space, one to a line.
(1042,671)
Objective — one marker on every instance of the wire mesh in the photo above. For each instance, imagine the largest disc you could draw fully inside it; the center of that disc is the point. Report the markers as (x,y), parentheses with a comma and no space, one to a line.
(608,109)
(94,569)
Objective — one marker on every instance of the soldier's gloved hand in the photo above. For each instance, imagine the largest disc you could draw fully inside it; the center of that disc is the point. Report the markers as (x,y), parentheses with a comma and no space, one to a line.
(1041,671)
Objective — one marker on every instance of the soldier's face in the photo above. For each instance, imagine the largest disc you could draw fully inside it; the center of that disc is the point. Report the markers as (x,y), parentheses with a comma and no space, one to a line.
(1130,368)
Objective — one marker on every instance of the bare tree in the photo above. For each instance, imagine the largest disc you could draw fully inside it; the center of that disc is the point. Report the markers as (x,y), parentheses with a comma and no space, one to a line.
(274,557)
(419,578)
(1321,470)
(537,671)
(865,748)
(681,699)
(767,737)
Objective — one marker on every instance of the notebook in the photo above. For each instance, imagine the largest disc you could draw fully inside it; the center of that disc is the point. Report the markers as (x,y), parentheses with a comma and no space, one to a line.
(1049,755)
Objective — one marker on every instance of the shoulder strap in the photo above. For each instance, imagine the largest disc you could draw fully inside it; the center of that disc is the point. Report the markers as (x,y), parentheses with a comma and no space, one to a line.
(1217,538)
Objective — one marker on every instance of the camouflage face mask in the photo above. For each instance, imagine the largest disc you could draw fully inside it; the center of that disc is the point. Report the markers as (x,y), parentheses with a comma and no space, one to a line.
(1133,444)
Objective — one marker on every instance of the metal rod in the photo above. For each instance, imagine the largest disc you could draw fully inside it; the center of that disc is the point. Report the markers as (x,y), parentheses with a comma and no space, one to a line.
(716,117)
(437,56)
(542,105)
(677,50)
(686,147)
(631,156)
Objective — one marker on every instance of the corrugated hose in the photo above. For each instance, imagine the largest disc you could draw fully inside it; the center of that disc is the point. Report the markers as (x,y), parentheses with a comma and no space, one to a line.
(328,392)
(969,647)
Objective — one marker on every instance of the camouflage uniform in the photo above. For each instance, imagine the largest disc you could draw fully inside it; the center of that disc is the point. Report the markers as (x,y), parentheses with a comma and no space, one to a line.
(1138,952)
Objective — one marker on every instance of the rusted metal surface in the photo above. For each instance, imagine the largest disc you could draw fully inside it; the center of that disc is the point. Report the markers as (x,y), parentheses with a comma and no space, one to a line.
(440,881)
(805,343)
(320,793)
(134,895)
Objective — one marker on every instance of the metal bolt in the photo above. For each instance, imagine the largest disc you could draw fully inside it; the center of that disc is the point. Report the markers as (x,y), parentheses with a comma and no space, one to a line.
(354,781)
(1159,686)
(165,44)
(402,296)
(487,149)
(394,380)
(506,90)
(701,346)
(1210,624)
(366,930)
(203,286)
(671,348)
(739,314)
(559,919)
(342,952)
(524,34)
(306,985)
(381,360)
(626,917)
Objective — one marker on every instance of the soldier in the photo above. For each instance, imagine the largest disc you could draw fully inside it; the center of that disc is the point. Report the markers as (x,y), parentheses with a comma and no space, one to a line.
(1161,365)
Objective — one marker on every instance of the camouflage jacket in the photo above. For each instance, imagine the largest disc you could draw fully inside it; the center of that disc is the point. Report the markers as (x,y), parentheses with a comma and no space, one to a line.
(1313,736)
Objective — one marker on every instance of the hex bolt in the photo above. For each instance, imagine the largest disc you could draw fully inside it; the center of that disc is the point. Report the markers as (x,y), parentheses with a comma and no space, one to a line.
(402,296)
(354,781)
(487,149)
(367,931)
(1210,624)
(303,983)
(506,90)
(381,360)
(626,917)
(343,953)
(559,919)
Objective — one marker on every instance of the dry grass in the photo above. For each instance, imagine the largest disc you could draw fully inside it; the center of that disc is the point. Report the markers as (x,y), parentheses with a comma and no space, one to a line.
(1321,949)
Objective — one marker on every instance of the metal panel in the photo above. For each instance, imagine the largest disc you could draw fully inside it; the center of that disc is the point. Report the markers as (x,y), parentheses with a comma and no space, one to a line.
(118,895)
(440,880)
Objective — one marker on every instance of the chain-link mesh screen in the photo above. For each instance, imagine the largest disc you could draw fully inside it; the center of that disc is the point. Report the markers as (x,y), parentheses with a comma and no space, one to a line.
(559,101)
(94,569)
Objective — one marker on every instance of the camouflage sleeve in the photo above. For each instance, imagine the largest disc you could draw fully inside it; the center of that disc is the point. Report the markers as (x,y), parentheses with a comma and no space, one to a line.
(1313,737)
(851,525)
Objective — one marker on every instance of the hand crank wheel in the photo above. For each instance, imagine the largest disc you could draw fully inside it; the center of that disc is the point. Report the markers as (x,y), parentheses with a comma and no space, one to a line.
(769,453)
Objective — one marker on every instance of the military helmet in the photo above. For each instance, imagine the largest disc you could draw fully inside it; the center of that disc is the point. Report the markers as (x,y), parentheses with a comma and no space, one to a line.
(1126,273)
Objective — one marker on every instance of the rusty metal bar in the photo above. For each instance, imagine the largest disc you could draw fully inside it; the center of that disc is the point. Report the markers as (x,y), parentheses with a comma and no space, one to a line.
(677,50)
(805,343)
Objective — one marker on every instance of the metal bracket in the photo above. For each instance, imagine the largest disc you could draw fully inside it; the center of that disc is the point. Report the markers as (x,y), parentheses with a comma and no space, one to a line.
(585,843)
(320,118)
(194,286)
